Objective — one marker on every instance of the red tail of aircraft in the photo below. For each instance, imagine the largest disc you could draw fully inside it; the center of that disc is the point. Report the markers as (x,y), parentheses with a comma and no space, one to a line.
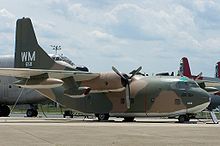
(184,67)
(185,70)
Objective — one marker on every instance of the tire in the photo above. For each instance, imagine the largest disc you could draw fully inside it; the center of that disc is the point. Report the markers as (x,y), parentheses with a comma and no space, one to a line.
(35,113)
(128,119)
(31,113)
(4,111)
(183,118)
(102,117)
(187,118)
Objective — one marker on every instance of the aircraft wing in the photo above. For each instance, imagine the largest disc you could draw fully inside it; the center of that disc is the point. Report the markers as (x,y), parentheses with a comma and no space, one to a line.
(58,74)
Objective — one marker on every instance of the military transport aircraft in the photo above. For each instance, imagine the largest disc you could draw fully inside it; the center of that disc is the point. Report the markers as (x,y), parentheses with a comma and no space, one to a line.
(103,94)
(208,83)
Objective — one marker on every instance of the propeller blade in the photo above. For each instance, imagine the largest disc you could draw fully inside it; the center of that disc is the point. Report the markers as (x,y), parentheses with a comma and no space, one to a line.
(136,71)
(119,73)
(127,92)
(127,83)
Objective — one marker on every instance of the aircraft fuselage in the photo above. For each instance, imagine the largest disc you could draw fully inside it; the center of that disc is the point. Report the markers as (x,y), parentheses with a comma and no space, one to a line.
(150,96)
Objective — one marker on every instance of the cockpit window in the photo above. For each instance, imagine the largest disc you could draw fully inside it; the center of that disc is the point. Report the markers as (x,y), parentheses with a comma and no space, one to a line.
(193,84)
(182,85)
(67,60)
(186,85)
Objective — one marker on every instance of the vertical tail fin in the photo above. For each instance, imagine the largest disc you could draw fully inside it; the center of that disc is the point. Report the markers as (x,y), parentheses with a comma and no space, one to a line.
(184,67)
(28,53)
(217,70)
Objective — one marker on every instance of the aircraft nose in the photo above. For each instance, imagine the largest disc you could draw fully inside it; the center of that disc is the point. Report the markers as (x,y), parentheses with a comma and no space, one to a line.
(200,100)
(205,96)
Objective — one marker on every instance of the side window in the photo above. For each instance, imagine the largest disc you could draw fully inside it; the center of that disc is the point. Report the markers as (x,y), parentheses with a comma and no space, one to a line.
(190,94)
(194,85)
(184,94)
(182,85)
(177,101)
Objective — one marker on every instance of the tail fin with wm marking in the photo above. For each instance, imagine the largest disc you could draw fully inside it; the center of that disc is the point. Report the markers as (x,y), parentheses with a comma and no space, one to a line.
(28,53)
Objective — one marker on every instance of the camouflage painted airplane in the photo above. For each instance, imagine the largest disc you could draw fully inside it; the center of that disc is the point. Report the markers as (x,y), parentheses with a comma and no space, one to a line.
(103,94)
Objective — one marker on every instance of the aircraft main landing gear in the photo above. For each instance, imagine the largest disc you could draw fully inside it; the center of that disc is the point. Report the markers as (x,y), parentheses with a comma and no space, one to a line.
(102,116)
(183,118)
(4,111)
(68,113)
(32,111)
(128,119)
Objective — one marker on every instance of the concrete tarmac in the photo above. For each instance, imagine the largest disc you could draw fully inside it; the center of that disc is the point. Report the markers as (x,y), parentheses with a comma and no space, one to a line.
(145,131)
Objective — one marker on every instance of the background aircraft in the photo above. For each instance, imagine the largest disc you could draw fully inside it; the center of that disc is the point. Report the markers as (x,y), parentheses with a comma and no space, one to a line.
(104,94)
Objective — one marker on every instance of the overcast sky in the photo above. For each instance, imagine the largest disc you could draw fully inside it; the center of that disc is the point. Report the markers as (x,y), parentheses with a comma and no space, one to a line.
(124,33)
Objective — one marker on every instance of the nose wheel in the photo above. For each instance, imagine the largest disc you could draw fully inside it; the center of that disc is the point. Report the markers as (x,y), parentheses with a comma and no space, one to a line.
(32,113)
(183,118)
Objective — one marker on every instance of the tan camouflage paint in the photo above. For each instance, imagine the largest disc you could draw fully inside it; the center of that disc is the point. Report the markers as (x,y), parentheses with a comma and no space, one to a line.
(165,103)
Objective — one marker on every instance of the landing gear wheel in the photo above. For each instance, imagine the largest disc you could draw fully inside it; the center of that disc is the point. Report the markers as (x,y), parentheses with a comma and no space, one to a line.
(4,111)
(32,113)
(68,113)
(102,117)
(183,118)
(128,119)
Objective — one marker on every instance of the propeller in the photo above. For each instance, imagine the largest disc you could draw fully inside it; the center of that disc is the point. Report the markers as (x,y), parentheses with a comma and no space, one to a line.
(126,80)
